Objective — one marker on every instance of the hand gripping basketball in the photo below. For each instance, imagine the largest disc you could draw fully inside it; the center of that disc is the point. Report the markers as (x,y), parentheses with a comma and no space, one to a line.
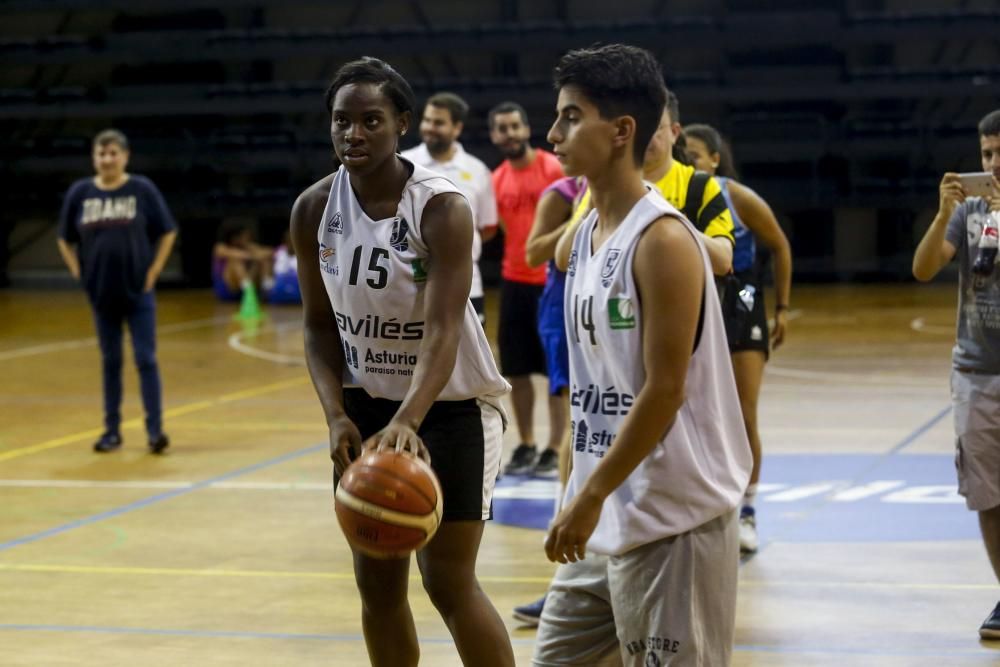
(388,504)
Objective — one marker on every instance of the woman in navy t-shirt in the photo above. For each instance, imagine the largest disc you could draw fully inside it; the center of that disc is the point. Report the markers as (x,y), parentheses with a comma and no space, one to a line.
(115,234)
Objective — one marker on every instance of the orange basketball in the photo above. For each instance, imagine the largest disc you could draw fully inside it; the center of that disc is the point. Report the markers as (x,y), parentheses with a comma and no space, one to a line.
(388,504)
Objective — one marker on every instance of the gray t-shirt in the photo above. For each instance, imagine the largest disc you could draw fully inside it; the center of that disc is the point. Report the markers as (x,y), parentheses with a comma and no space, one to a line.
(977,344)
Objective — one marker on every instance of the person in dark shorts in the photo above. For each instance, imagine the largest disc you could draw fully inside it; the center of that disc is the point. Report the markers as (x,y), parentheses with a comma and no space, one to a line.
(115,234)
(398,356)
(750,343)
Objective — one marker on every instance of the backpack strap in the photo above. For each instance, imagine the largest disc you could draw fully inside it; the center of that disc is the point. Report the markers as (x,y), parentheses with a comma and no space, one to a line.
(695,193)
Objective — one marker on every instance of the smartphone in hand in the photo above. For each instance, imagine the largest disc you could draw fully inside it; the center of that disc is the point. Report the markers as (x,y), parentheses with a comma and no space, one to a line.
(977,184)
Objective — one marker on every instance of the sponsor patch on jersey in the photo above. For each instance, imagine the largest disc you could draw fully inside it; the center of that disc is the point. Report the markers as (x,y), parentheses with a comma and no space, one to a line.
(400,229)
(621,313)
(326,255)
(610,264)
(336,224)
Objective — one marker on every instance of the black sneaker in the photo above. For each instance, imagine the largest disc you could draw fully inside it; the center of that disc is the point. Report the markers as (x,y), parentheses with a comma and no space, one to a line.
(529,614)
(159,443)
(547,464)
(522,461)
(990,629)
(108,442)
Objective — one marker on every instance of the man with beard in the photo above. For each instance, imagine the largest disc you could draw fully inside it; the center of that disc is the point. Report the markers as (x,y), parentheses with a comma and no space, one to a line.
(441,125)
(518,183)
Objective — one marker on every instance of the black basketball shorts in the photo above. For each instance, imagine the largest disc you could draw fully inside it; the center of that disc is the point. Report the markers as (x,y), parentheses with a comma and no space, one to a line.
(521,350)
(746,328)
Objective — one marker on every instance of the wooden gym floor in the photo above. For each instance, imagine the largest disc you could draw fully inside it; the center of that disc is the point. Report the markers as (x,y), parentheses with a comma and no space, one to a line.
(226,551)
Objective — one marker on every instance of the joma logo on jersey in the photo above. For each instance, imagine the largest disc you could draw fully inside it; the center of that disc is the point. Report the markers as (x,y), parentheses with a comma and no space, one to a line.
(336,224)
(610,264)
(373,326)
(400,228)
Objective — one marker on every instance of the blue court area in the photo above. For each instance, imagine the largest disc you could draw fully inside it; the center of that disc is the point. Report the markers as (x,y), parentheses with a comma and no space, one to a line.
(816,498)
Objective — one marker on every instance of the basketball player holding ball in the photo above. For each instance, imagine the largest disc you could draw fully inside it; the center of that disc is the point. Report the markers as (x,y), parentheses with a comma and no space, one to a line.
(398,357)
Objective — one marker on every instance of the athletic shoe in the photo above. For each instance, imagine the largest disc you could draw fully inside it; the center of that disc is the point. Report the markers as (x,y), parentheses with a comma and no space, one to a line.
(530,613)
(547,464)
(522,461)
(748,530)
(159,443)
(990,629)
(108,442)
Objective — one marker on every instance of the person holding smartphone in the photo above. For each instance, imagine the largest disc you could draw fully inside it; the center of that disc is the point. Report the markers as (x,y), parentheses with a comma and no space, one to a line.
(966,226)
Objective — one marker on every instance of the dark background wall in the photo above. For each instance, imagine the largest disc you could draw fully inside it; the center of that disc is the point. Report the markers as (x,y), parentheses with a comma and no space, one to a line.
(843,114)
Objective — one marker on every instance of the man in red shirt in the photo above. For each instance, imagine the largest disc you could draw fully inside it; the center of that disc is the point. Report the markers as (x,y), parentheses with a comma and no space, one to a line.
(518,183)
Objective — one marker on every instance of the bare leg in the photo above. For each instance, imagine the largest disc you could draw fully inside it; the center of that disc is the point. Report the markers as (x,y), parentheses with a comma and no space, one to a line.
(989,524)
(748,366)
(558,414)
(234,274)
(522,395)
(390,635)
(448,566)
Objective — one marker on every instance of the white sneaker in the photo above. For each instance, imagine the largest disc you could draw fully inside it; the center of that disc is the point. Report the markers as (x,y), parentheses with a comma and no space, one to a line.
(748,530)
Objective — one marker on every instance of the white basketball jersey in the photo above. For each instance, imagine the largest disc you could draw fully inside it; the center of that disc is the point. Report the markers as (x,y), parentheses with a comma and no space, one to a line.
(375,273)
(701,466)
(475,181)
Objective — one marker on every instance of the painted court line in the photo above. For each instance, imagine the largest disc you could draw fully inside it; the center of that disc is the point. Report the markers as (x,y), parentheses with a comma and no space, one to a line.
(871,379)
(159,484)
(139,504)
(118,571)
(921,652)
(223,574)
(919,431)
(236,343)
(77,343)
(137,422)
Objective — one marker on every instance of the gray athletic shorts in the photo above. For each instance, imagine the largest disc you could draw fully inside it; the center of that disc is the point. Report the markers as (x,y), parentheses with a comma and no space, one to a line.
(975,399)
(670,602)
